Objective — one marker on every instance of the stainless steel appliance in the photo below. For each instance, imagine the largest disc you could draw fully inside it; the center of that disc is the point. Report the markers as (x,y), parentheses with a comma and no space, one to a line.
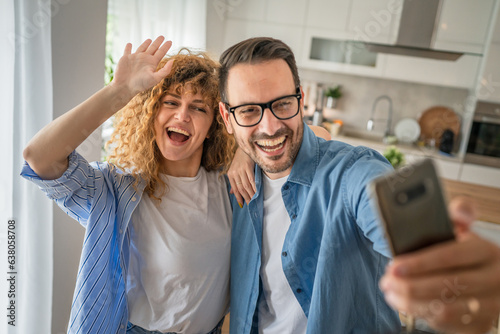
(484,140)
(417,32)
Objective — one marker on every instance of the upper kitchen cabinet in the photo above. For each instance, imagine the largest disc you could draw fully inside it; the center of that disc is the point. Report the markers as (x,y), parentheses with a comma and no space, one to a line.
(273,11)
(489,89)
(331,15)
(245,10)
(335,30)
(463,25)
(374,20)
(328,35)
(461,73)
(336,52)
(238,30)
(286,11)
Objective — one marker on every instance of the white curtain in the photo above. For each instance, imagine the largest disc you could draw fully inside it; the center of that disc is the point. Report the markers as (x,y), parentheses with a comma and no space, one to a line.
(181,21)
(26,105)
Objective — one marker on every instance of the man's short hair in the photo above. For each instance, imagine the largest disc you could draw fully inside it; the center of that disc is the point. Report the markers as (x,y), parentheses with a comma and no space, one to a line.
(253,51)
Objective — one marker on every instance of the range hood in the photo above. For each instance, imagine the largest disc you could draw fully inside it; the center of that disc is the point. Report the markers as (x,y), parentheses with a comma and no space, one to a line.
(417,32)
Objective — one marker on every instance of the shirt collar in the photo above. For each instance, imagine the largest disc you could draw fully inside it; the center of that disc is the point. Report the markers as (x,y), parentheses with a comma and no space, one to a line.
(307,160)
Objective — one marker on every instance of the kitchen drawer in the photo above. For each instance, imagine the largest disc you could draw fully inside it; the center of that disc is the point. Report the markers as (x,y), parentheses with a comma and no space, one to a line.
(486,176)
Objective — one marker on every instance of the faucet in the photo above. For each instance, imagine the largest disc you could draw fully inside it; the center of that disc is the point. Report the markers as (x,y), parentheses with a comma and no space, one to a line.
(370,124)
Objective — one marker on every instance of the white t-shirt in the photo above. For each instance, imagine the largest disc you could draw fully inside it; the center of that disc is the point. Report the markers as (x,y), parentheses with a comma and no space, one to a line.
(279,311)
(178,279)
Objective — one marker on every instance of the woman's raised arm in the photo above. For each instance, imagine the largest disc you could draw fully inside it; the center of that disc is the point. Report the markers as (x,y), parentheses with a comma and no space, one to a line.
(47,152)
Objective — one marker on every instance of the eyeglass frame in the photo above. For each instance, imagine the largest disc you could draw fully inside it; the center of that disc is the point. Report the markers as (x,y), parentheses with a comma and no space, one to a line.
(265,106)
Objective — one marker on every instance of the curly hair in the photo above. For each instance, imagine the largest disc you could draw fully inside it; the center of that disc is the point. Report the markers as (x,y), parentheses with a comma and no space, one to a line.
(135,148)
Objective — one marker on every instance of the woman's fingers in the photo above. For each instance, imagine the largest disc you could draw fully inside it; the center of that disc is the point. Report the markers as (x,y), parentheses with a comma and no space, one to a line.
(242,188)
(128,49)
(165,70)
(144,46)
(162,51)
(235,191)
(153,47)
(251,179)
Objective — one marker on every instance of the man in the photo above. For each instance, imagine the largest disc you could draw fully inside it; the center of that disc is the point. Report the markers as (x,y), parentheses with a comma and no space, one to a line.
(307,251)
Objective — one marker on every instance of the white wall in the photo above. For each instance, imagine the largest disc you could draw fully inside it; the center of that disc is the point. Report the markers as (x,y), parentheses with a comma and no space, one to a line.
(78,51)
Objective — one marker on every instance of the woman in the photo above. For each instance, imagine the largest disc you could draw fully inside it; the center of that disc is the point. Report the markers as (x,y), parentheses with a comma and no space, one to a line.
(156,250)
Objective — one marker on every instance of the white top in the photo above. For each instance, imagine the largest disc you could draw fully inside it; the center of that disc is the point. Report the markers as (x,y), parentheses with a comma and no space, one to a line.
(279,311)
(178,279)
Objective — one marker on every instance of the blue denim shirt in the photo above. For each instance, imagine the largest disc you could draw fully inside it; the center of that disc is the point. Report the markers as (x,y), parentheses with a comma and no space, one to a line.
(334,252)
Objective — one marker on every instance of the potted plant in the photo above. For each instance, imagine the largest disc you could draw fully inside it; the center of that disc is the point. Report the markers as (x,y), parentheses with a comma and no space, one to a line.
(332,95)
(395,156)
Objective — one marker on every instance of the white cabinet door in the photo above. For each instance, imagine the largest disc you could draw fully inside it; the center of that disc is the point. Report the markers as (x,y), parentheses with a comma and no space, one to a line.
(286,11)
(328,14)
(324,50)
(486,176)
(463,25)
(461,73)
(490,82)
(245,10)
(238,30)
(448,169)
(374,20)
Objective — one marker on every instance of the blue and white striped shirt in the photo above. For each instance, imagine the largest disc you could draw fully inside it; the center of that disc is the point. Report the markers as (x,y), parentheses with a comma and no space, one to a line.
(102,199)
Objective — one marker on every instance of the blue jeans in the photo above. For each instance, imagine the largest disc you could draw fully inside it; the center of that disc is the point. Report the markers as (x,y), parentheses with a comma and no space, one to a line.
(133,329)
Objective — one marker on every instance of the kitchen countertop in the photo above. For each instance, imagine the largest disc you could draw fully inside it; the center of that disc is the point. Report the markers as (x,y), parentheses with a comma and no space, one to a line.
(376,143)
(487,199)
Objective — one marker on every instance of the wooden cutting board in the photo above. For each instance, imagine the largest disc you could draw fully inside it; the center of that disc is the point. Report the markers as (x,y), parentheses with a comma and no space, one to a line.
(435,120)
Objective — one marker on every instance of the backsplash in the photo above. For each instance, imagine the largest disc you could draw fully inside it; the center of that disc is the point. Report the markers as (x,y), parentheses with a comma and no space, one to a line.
(359,93)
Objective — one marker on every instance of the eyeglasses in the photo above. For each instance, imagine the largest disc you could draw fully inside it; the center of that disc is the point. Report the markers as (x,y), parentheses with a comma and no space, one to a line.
(250,114)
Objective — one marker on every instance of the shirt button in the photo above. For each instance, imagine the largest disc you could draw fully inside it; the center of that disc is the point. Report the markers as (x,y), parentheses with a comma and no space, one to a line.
(122,327)
(285,187)
(121,231)
(294,216)
(133,199)
(299,290)
(284,253)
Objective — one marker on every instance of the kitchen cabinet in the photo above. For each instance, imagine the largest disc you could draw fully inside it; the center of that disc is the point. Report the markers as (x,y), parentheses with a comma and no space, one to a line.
(448,169)
(463,25)
(245,10)
(286,11)
(483,175)
(238,30)
(374,20)
(330,51)
(489,89)
(323,35)
(460,73)
(331,15)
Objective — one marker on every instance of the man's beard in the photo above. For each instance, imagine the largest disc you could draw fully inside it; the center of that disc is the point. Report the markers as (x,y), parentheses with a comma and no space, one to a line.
(292,149)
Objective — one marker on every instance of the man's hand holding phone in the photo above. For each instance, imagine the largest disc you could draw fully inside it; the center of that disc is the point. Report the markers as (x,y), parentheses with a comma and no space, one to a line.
(454,285)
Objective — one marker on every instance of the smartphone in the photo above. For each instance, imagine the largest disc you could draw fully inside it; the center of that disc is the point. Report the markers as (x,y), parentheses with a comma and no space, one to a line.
(412,207)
